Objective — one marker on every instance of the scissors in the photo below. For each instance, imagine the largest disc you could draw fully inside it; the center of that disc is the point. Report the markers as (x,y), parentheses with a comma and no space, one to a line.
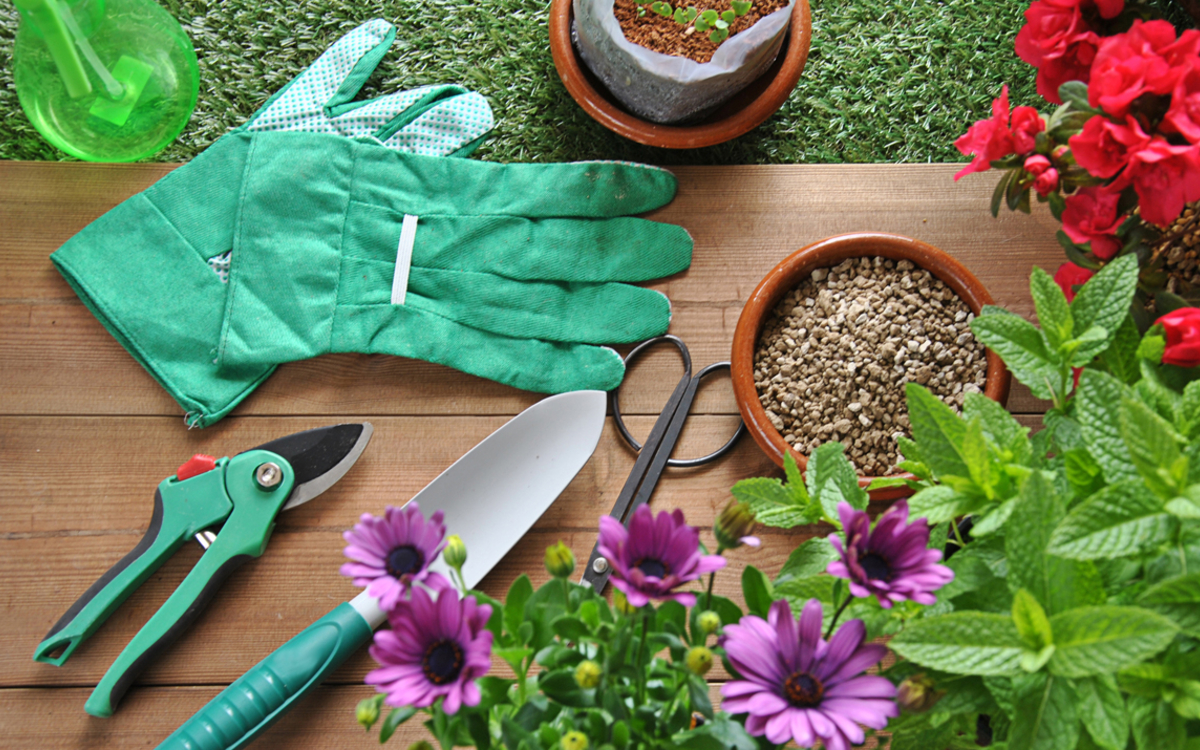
(655,455)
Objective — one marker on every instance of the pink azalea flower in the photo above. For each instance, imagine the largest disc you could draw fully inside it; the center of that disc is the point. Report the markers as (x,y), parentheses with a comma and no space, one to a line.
(988,140)
(1091,216)
(795,686)
(1068,276)
(392,553)
(1103,147)
(892,561)
(654,556)
(434,649)
(1165,178)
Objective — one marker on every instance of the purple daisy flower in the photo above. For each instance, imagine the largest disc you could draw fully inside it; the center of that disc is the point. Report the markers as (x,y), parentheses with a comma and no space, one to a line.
(392,553)
(796,686)
(434,649)
(654,556)
(893,561)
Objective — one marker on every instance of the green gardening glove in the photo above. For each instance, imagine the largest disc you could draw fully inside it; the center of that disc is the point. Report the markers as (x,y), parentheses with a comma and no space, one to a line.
(153,270)
(502,271)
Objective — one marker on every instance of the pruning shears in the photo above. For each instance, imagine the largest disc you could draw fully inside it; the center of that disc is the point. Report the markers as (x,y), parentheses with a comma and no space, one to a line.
(242,495)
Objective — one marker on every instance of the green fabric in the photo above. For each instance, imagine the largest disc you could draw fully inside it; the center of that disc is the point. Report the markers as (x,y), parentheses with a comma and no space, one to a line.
(146,270)
(514,267)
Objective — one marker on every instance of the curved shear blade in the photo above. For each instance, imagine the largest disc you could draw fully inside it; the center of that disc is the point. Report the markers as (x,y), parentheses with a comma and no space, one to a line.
(320,457)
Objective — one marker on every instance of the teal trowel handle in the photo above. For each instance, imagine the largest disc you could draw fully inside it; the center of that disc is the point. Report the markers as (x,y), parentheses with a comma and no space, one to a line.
(257,699)
(181,509)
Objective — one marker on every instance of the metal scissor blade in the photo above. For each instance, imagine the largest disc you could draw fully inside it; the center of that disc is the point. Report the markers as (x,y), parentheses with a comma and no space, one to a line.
(320,457)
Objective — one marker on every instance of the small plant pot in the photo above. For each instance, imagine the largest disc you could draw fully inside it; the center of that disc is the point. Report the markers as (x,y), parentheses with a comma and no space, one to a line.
(799,266)
(740,114)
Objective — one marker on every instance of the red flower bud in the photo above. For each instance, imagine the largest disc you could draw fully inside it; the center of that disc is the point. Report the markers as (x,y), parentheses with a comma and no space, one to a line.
(1182,329)
(1036,164)
(1047,182)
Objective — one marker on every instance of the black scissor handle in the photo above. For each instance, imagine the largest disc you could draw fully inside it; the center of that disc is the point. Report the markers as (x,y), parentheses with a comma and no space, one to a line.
(614,398)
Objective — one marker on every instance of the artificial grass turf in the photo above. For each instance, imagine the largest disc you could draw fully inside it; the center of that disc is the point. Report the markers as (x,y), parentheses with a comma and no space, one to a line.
(886,80)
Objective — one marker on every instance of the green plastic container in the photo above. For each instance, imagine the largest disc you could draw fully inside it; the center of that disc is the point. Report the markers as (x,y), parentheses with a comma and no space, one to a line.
(104,80)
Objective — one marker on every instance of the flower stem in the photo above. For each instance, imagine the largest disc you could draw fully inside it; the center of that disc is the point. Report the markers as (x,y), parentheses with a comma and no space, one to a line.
(641,667)
(566,595)
(708,599)
(833,623)
(957,534)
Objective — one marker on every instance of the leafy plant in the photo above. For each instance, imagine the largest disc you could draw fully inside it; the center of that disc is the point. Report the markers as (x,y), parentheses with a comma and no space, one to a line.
(716,24)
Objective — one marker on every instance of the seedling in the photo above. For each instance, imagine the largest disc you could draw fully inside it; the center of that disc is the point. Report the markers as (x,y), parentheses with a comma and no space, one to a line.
(717,24)
(661,8)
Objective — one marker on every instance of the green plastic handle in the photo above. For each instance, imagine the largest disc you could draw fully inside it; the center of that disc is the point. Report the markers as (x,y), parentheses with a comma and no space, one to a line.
(44,14)
(243,536)
(257,699)
(181,510)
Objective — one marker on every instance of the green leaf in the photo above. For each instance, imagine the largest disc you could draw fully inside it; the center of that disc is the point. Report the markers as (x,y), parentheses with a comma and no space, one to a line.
(1095,640)
(963,643)
(1046,716)
(661,8)
(1023,348)
(937,430)
(728,16)
(571,628)
(1031,621)
(1000,427)
(1104,300)
(698,695)
(719,34)
(1122,519)
(1097,408)
(1189,411)
(938,504)
(809,559)
(1075,93)
(1000,191)
(394,719)
(1056,583)
(1053,310)
(1152,448)
(1082,472)
(1120,358)
(831,480)
(722,733)
(1155,725)
(1102,710)
(514,603)
(1152,348)
(974,452)
(1088,345)
(799,590)
(757,591)
(741,7)
(1177,598)
(772,503)
(992,519)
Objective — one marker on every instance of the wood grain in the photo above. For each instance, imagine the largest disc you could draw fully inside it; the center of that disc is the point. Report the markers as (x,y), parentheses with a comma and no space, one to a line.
(85,435)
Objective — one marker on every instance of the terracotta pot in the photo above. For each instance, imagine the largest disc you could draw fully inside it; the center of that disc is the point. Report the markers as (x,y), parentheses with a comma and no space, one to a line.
(744,112)
(824,254)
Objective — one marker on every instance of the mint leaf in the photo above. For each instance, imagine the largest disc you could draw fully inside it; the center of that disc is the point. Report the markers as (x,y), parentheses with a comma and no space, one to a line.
(799,590)
(795,479)
(1000,427)
(1102,710)
(831,479)
(1023,348)
(1155,725)
(721,733)
(1153,449)
(971,571)
(1031,621)
(1189,411)
(809,559)
(992,518)
(1104,300)
(963,643)
(937,430)
(1122,519)
(1057,583)
(1097,409)
(1091,342)
(772,503)
(974,452)
(1046,718)
(1156,394)
(1095,640)
(938,504)
(1053,310)
(1179,599)
(1120,358)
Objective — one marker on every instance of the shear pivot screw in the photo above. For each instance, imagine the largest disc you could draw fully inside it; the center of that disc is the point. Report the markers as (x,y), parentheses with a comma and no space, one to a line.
(268,475)
(600,565)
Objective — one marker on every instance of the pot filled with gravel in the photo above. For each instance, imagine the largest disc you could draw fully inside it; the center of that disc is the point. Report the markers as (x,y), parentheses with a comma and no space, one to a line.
(831,336)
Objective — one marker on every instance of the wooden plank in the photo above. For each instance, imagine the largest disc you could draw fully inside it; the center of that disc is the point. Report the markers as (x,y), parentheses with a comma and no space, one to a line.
(59,360)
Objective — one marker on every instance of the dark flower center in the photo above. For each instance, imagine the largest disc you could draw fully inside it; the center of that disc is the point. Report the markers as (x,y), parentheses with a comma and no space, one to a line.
(803,690)
(876,567)
(652,567)
(404,561)
(443,661)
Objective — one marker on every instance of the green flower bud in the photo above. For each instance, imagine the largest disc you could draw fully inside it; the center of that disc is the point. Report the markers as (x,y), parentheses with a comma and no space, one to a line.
(574,741)
(367,711)
(622,604)
(587,674)
(560,561)
(699,660)
(709,622)
(734,525)
(455,552)
(917,694)
(420,745)
(620,734)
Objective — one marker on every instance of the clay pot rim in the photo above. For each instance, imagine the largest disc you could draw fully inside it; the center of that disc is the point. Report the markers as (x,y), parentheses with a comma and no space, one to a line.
(826,253)
(727,126)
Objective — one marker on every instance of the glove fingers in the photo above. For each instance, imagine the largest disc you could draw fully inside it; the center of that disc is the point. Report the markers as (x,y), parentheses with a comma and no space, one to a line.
(462,187)
(447,127)
(332,81)
(529,364)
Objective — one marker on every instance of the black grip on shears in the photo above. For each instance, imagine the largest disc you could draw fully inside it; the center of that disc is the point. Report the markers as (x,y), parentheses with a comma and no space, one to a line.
(95,605)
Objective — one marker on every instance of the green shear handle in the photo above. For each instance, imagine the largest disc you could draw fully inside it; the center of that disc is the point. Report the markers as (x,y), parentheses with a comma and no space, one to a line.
(243,536)
(182,509)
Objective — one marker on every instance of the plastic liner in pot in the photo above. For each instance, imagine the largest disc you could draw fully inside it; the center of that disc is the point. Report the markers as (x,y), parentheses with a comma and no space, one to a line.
(666,88)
